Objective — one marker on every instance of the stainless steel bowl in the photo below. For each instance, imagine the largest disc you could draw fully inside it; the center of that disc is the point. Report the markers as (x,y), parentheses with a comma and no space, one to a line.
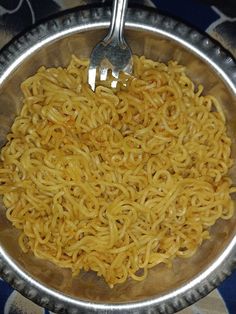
(159,38)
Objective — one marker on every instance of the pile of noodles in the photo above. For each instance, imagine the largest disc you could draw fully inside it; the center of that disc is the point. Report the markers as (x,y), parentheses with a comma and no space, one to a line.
(116,181)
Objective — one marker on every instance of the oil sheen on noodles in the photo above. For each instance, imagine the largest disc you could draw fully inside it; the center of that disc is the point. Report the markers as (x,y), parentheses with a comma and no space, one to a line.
(116,181)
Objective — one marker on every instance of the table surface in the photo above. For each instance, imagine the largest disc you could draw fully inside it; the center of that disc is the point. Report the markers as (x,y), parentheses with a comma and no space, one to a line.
(216,17)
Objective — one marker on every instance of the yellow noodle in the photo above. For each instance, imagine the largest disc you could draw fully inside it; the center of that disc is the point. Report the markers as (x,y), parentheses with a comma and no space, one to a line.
(116,181)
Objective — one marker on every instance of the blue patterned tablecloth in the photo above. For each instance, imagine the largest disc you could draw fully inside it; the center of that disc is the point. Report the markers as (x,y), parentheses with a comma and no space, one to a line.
(217,18)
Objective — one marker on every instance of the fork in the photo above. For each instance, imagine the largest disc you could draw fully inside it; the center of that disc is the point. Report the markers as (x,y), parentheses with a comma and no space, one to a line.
(112,53)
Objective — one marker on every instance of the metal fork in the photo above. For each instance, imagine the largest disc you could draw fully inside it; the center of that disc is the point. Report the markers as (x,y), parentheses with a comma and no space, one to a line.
(112,52)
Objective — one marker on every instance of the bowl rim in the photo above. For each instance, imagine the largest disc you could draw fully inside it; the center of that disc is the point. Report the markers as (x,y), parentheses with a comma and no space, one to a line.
(78,20)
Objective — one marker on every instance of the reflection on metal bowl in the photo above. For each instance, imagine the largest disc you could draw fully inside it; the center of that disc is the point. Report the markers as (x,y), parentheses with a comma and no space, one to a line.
(159,38)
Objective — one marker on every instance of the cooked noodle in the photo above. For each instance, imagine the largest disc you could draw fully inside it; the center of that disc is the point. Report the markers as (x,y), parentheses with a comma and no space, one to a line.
(116,181)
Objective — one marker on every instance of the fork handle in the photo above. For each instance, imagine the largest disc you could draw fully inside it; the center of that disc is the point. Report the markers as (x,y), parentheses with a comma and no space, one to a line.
(117,23)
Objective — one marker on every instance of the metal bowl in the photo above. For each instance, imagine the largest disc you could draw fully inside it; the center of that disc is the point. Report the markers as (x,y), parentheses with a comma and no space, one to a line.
(159,38)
